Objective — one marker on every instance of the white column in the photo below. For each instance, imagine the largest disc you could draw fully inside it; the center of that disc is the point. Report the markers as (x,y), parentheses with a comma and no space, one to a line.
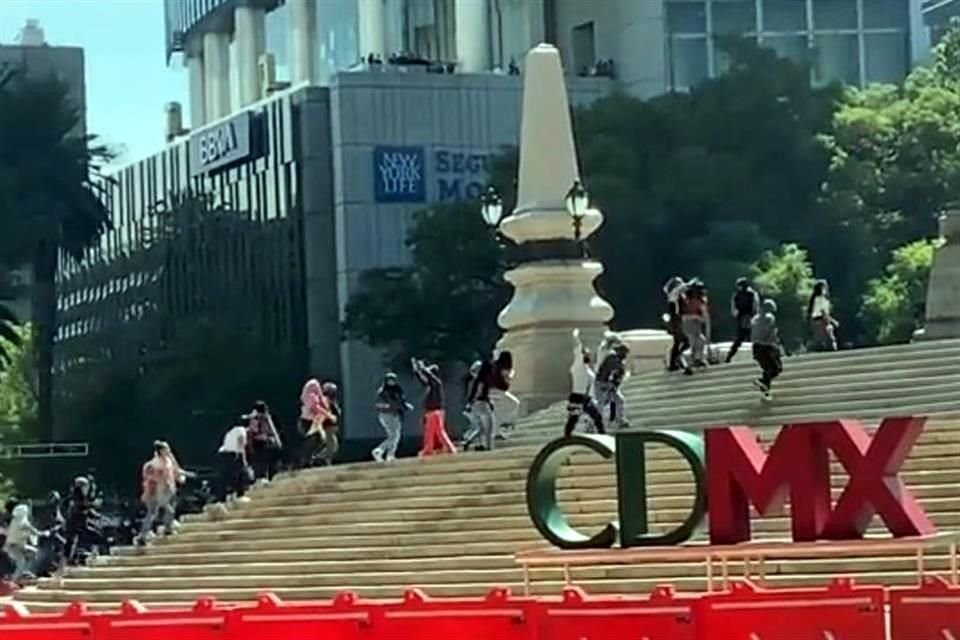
(473,35)
(302,39)
(216,77)
(919,35)
(250,36)
(371,27)
(198,98)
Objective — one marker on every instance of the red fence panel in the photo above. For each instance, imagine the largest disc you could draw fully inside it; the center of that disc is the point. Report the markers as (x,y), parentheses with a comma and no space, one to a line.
(662,616)
(344,618)
(205,621)
(498,616)
(840,611)
(928,612)
(72,624)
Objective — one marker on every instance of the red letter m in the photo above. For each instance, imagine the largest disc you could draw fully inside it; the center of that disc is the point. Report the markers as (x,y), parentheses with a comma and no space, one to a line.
(740,473)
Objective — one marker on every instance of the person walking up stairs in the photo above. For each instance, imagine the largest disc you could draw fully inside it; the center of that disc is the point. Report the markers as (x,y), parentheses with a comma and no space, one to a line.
(766,346)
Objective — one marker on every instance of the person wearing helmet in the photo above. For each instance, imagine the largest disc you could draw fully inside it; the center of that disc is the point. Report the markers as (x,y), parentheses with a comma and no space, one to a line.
(21,543)
(766,346)
(391,406)
(744,305)
(435,435)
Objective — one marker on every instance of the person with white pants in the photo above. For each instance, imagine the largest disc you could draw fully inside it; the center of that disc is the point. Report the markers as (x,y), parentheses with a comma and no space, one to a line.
(21,541)
(481,407)
(506,406)
(391,408)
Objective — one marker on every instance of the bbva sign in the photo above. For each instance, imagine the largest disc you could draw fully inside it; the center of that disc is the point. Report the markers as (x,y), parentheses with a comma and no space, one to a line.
(731,472)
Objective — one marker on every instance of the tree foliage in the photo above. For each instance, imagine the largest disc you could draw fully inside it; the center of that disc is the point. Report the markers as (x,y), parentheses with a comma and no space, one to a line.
(51,197)
(18,400)
(786,276)
(894,304)
(444,305)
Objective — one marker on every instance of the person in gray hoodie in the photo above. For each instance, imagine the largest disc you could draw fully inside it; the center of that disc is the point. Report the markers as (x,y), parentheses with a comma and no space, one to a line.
(766,346)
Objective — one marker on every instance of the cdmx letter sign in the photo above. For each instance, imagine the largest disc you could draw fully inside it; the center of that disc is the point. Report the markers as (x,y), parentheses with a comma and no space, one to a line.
(731,472)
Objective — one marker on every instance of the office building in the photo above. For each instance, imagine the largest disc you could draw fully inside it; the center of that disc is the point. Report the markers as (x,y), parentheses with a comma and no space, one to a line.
(937,15)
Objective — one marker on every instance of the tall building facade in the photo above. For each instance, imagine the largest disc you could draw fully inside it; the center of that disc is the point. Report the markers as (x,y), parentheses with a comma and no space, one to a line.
(937,15)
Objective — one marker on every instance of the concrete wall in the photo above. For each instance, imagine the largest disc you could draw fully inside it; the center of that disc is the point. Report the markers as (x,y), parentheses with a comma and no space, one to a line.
(441,114)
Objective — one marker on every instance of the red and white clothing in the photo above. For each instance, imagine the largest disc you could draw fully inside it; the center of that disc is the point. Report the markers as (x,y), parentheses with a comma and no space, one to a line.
(314,405)
(159,478)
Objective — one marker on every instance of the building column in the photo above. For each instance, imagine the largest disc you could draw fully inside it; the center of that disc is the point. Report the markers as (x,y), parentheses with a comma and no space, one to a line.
(250,37)
(371,27)
(473,35)
(216,76)
(198,98)
(303,21)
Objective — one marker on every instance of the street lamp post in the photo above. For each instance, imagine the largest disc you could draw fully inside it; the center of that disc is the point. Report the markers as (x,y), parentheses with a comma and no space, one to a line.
(577,201)
(491,207)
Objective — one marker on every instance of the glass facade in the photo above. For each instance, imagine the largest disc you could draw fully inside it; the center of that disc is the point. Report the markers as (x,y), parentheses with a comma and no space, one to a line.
(852,41)
(338,38)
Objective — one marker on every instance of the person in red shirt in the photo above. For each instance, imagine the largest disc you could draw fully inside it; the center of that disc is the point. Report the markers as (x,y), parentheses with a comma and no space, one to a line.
(435,435)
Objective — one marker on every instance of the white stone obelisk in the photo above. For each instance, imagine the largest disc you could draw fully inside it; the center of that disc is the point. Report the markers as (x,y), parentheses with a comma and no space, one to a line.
(943,291)
(552,296)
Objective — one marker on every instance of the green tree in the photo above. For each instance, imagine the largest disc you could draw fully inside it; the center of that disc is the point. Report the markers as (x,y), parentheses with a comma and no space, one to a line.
(895,166)
(52,200)
(786,276)
(8,320)
(444,305)
(18,400)
(893,306)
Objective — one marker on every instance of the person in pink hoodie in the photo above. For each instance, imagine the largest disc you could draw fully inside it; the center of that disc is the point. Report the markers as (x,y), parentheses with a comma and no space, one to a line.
(315,413)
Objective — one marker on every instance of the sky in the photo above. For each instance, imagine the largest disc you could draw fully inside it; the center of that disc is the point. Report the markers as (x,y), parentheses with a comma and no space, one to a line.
(128,81)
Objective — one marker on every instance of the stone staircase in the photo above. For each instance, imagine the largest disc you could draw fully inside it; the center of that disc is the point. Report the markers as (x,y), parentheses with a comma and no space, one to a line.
(451,525)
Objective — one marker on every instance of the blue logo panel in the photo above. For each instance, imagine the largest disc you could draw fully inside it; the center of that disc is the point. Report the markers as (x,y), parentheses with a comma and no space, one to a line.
(399,174)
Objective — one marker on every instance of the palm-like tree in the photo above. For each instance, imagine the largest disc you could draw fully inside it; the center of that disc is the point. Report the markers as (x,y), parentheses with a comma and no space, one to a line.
(51,199)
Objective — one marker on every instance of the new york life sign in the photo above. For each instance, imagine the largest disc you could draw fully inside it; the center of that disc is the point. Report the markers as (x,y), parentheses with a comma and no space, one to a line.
(731,471)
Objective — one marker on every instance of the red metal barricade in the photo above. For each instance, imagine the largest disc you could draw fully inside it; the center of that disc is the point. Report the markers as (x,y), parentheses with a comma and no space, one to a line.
(204,621)
(346,617)
(498,616)
(841,611)
(72,624)
(662,616)
(928,612)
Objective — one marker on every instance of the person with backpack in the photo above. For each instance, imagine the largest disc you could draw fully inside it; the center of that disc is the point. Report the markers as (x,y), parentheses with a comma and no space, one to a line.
(695,319)
(766,346)
(744,305)
(580,400)
(610,375)
(392,406)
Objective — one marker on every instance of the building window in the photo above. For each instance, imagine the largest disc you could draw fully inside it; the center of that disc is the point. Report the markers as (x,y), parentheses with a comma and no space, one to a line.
(885,56)
(796,48)
(687,17)
(885,14)
(837,58)
(834,14)
(784,15)
(584,47)
(688,62)
(734,16)
(277,30)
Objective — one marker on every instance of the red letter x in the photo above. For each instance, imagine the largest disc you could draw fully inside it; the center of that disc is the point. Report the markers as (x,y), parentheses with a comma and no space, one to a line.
(874,486)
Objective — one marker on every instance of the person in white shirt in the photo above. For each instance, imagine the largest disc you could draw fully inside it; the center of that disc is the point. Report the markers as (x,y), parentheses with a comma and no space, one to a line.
(21,541)
(234,473)
(580,400)
(820,316)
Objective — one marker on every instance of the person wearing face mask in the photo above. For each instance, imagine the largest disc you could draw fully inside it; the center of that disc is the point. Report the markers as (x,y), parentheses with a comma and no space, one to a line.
(580,400)
(392,406)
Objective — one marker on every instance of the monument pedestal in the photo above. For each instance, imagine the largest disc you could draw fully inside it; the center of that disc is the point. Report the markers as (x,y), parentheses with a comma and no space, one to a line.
(943,292)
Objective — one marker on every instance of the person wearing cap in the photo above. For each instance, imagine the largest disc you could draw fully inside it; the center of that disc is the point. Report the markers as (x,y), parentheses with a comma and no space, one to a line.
(391,407)
(161,475)
(820,316)
(435,437)
(744,305)
(766,346)
(264,441)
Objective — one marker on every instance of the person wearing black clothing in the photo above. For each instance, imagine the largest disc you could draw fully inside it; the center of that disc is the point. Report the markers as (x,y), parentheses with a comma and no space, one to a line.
(331,425)
(506,406)
(480,406)
(674,291)
(264,439)
(392,405)
(610,375)
(473,431)
(434,432)
(744,305)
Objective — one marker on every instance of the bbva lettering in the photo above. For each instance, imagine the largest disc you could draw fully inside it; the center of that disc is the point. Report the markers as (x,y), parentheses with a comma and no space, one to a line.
(731,472)
(217,143)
